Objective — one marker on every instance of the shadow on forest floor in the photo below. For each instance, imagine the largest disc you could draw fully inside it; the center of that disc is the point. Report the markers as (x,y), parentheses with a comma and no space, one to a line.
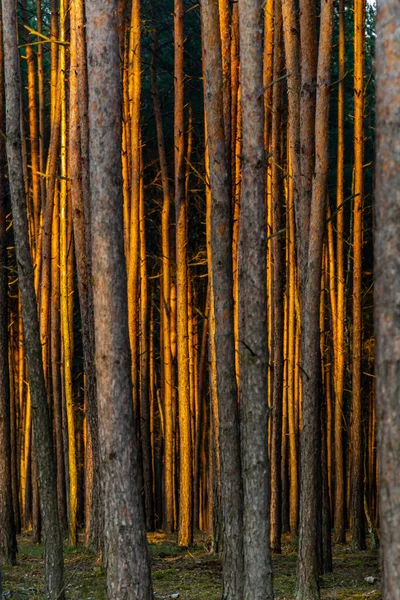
(192,574)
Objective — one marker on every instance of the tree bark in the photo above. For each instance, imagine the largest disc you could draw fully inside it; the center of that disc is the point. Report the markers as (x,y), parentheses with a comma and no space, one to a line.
(185,530)
(8,541)
(128,573)
(310,494)
(387,280)
(41,416)
(357,462)
(253,337)
(222,285)
(278,260)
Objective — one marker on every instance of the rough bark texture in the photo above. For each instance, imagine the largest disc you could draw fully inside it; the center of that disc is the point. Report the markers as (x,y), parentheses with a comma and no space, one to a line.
(278,268)
(309,55)
(78,169)
(222,282)
(79,173)
(8,542)
(40,410)
(310,498)
(128,574)
(387,282)
(253,338)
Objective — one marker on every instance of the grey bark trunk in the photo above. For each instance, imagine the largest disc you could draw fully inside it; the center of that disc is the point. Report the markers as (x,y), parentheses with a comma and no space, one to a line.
(40,410)
(8,542)
(128,572)
(387,288)
(253,338)
(222,282)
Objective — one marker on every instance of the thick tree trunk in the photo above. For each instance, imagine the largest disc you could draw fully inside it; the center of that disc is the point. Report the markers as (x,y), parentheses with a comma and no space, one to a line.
(128,573)
(253,338)
(387,282)
(41,416)
(222,285)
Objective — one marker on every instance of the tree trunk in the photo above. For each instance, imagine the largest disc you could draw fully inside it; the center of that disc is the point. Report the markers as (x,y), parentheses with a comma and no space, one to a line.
(166,309)
(340,504)
(357,462)
(185,530)
(253,337)
(8,541)
(387,281)
(128,573)
(310,498)
(278,260)
(78,169)
(222,286)
(41,416)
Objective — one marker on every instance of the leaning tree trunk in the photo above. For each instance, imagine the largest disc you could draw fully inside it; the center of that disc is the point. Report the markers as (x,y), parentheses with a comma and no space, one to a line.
(128,573)
(8,542)
(387,288)
(222,285)
(253,338)
(40,409)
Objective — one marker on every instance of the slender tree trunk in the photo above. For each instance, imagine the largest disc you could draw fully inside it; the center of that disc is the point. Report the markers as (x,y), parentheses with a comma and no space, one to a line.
(357,463)
(340,504)
(222,285)
(134,150)
(310,493)
(78,168)
(253,336)
(278,259)
(128,573)
(165,307)
(185,530)
(144,372)
(387,280)
(65,250)
(8,541)
(41,416)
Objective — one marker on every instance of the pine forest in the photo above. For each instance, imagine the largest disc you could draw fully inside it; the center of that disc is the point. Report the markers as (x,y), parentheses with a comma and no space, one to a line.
(199,299)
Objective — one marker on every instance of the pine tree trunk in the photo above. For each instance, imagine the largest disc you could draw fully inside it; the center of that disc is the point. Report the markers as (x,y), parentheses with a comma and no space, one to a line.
(128,572)
(222,285)
(41,416)
(253,335)
(310,493)
(8,542)
(387,279)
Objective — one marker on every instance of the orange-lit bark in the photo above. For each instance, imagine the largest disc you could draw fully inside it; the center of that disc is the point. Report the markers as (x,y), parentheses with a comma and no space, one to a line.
(357,464)
(185,531)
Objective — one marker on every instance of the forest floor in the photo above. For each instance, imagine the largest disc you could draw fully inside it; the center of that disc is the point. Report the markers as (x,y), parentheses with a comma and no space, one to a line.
(192,574)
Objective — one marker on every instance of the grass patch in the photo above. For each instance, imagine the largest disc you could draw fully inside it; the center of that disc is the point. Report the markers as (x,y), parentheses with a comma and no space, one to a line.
(192,573)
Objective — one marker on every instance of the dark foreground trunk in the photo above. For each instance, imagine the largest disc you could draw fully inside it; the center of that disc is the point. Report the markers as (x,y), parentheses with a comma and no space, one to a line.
(128,573)
(387,288)
(40,410)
